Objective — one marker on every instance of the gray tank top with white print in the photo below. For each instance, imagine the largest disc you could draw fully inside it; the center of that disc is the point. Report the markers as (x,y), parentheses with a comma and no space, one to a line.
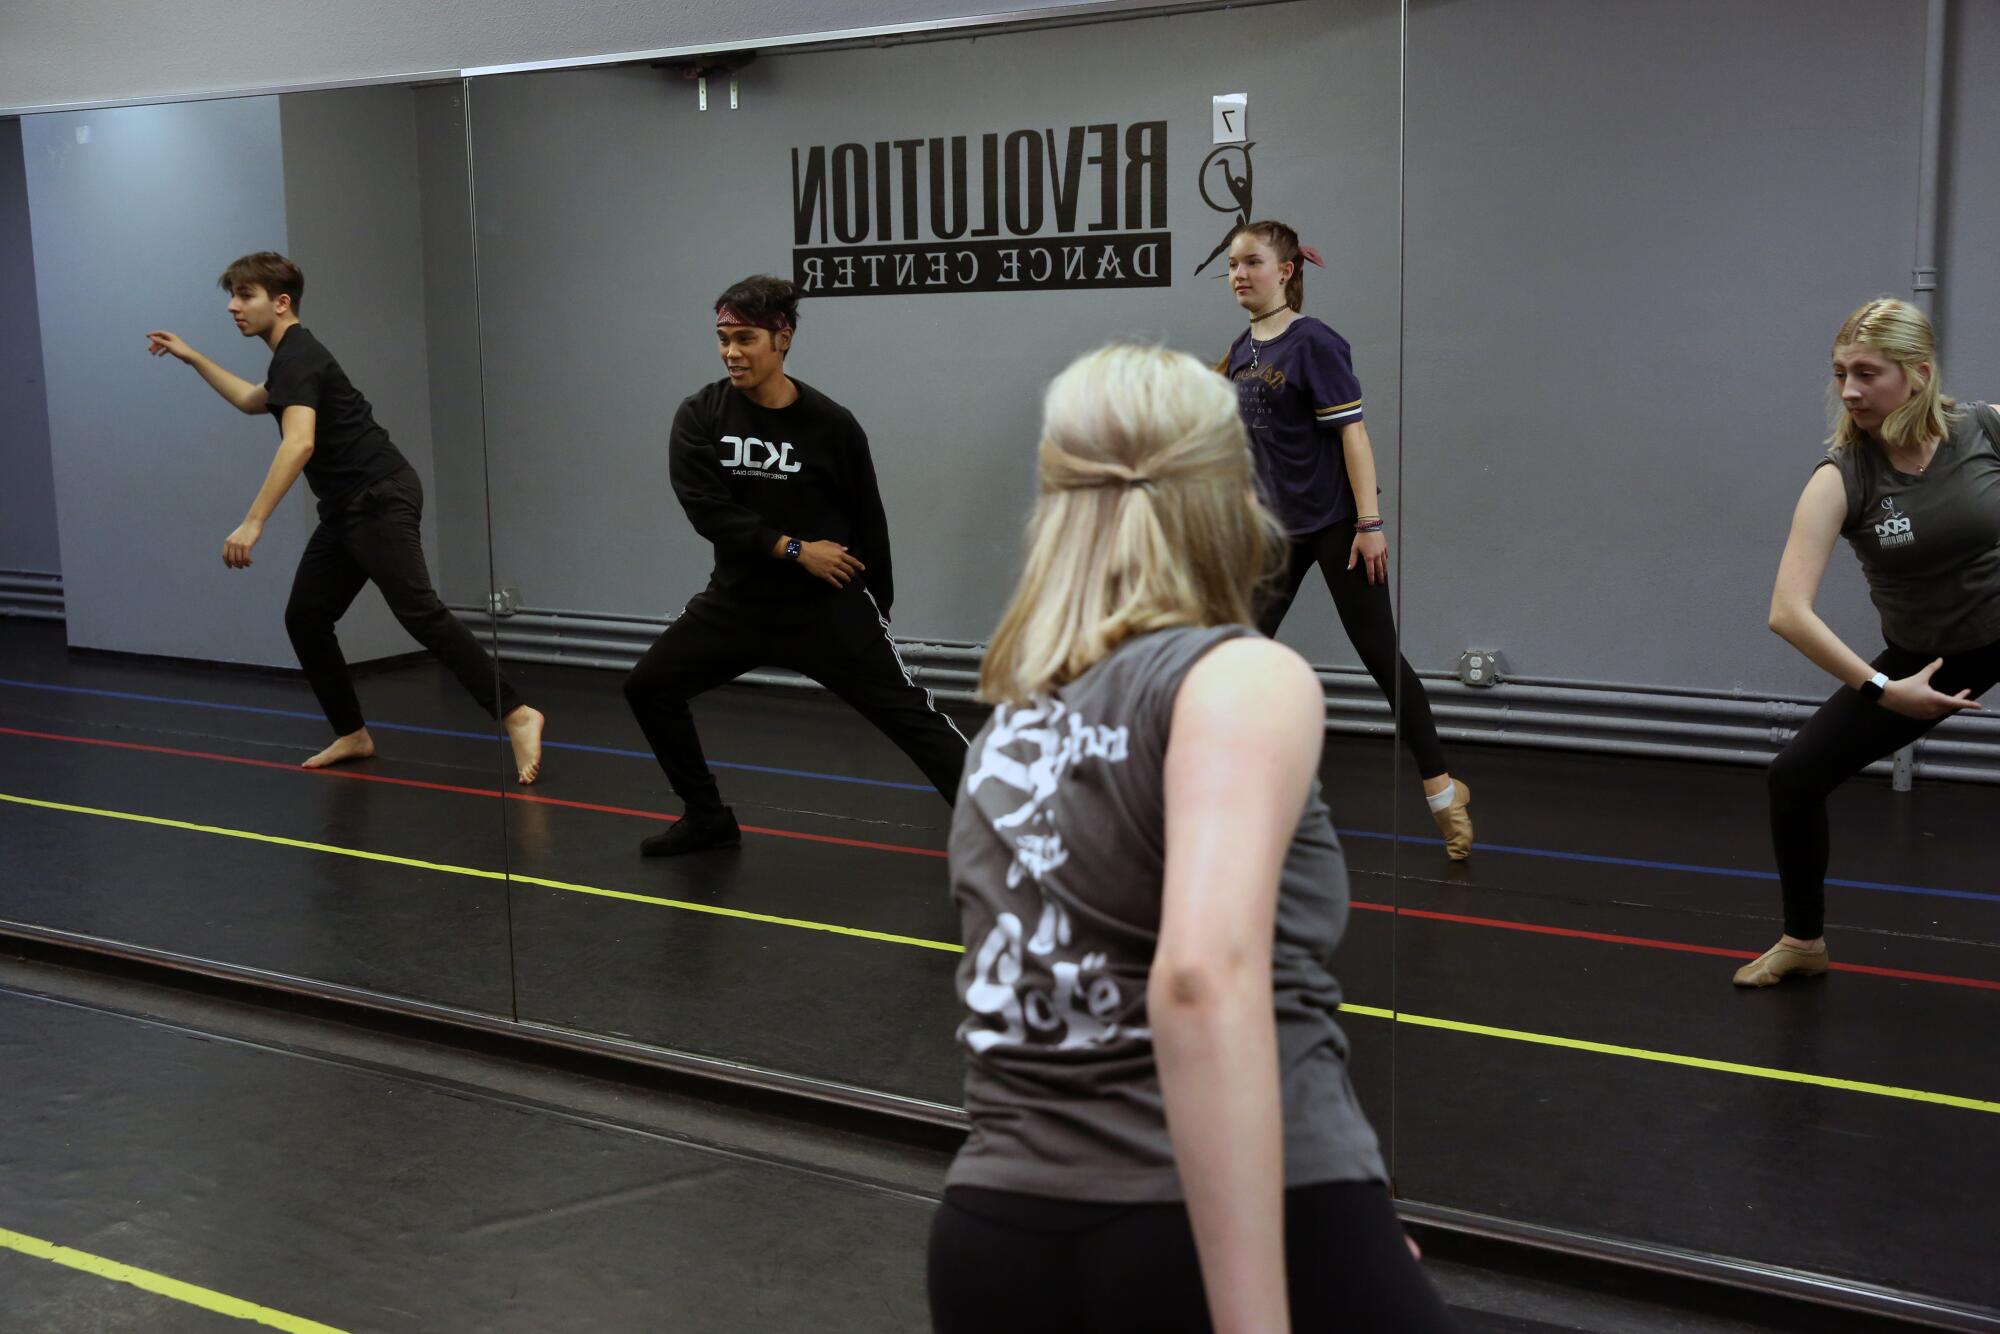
(1057,860)
(1930,542)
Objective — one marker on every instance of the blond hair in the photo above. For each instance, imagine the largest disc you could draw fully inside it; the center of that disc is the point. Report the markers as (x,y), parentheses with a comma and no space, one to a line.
(1903,334)
(1147,518)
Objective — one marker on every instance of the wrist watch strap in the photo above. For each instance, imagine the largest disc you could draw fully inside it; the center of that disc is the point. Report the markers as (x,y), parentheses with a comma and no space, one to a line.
(1872,688)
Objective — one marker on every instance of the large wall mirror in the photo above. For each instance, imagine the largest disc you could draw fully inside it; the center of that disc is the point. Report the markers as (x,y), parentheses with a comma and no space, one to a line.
(156,728)
(1629,253)
(965,216)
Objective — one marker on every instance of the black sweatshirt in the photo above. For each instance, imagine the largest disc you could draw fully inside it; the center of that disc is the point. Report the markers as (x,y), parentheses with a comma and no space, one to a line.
(748,475)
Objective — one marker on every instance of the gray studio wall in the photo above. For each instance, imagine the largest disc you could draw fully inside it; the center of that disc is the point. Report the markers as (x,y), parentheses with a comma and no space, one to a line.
(27,484)
(1970,261)
(135,211)
(61,51)
(611,212)
(457,483)
(1632,233)
(355,197)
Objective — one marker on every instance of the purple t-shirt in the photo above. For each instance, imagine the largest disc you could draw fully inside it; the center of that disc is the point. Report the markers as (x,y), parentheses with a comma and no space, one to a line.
(1294,404)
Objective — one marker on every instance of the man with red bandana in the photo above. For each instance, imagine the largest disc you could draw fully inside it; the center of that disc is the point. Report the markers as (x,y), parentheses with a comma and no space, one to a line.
(778,477)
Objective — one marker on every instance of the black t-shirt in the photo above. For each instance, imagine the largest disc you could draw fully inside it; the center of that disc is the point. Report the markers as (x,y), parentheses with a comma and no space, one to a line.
(747,475)
(350,451)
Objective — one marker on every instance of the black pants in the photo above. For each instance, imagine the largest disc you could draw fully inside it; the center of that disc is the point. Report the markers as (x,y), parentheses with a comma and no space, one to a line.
(1370,623)
(376,539)
(1845,736)
(1002,1263)
(841,641)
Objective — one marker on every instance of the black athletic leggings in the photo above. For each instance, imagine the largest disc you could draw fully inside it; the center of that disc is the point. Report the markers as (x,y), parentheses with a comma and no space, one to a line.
(1845,736)
(1002,1263)
(840,640)
(377,539)
(1370,623)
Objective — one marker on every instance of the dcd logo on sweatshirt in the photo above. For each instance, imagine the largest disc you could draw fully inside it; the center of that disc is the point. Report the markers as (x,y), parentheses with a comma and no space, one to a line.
(748,454)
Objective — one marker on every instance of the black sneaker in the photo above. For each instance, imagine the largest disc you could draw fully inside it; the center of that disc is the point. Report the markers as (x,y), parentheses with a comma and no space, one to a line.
(697,831)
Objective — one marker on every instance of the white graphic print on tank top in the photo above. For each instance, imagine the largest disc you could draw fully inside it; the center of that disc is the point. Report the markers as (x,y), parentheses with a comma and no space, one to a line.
(1035,987)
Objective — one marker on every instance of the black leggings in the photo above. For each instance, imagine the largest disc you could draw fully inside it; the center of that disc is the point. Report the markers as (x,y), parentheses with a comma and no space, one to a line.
(1370,623)
(377,539)
(1002,1263)
(840,640)
(1845,736)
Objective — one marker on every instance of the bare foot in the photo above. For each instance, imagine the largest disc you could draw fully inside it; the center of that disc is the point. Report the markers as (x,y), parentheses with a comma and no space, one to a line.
(354,746)
(524,729)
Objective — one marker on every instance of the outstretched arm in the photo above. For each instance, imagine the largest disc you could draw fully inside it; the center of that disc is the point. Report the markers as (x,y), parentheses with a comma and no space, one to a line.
(293,452)
(1246,734)
(239,392)
(1815,526)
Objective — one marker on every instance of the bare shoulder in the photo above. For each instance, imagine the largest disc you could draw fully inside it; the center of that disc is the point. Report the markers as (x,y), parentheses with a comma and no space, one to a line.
(1253,680)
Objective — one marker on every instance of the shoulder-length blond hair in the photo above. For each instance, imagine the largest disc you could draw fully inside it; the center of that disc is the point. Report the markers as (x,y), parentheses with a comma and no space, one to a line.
(1147,518)
(1903,334)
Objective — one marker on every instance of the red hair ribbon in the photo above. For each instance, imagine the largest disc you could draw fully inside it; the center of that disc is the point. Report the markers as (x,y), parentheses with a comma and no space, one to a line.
(1306,252)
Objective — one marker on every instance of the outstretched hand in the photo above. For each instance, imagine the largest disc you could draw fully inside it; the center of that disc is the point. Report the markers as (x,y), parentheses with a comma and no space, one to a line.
(830,561)
(1915,697)
(163,344)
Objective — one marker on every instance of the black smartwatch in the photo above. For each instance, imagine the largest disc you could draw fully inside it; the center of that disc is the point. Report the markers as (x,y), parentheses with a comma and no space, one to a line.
(1871,689)
(792,553)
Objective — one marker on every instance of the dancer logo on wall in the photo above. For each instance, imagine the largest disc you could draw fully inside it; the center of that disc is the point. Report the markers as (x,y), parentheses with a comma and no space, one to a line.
(1227,171)
(1030,210)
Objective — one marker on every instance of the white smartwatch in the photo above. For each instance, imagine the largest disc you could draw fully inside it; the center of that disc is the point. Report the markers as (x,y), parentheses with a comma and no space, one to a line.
(1872,688)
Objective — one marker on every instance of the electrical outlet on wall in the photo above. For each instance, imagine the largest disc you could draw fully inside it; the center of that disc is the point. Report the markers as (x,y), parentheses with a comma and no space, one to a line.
(505,602)
(1482,666)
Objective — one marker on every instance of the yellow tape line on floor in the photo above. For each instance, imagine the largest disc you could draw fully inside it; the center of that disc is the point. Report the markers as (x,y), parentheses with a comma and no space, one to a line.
(207,1299)
(713,910)
(1367,1011)
(1674,1058)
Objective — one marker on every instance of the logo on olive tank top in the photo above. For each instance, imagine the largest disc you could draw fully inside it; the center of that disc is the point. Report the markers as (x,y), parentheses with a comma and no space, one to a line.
(1894,530)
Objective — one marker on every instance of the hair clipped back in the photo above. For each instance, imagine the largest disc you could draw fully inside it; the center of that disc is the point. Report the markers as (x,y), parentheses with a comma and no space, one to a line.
(1147,518)
(269,270)
(1903,334)
(763,296)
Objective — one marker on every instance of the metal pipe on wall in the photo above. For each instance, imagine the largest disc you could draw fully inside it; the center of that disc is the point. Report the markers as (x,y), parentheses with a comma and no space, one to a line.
(1924,275)
(1589,717)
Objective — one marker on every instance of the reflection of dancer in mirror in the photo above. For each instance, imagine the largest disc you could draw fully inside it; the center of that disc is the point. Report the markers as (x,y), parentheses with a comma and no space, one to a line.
(1912,481)
(370,510)
(778,476)
(1295,381)
(1163,1135)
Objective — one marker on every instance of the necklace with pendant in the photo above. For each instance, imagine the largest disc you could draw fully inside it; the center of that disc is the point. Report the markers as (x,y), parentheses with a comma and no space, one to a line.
(1253,334)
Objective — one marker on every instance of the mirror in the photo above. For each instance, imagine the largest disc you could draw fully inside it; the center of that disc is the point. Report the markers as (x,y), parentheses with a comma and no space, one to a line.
(964,216)
(155,731)
(1626,268)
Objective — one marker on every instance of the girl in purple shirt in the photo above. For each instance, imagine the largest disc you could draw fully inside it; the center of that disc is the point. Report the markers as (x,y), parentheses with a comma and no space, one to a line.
(1301,404)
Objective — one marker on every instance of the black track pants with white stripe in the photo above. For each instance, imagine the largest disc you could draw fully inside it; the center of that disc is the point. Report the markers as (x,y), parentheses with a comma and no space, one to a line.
(840,641)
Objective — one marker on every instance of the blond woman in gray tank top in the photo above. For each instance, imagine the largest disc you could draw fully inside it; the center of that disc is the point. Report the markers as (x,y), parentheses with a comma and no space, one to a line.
(1912,480)
(1163,1133)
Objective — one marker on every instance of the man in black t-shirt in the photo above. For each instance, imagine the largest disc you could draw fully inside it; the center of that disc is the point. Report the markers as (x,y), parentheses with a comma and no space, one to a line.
(370,510)
(778,476)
